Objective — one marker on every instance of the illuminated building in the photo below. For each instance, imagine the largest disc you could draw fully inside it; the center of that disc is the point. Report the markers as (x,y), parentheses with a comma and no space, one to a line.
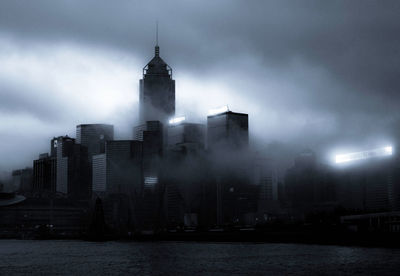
(362,155)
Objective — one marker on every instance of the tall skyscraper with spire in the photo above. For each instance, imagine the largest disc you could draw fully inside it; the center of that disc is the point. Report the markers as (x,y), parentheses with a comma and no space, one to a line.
(157,90)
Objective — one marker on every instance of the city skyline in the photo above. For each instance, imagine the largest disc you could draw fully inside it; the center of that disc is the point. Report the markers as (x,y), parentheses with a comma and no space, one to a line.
(315,101)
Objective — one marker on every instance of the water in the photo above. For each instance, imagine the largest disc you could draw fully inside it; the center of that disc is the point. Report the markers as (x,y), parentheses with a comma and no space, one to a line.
(22,257)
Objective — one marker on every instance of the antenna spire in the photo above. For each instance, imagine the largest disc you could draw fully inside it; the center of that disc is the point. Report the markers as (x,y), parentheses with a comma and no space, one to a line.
(157,33)
(157,48)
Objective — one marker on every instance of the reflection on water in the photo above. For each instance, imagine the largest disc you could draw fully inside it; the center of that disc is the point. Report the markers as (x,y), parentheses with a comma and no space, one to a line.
(172,258)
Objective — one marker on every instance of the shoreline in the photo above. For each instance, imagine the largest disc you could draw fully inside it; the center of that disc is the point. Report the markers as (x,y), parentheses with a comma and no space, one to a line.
(382,240)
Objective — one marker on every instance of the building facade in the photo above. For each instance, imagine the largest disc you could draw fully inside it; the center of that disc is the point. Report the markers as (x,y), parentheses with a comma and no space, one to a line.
(156,91)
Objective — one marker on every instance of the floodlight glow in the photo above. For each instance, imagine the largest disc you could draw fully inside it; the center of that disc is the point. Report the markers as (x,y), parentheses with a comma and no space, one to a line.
(343,158)
(150,181)
(218,110)
(177,120)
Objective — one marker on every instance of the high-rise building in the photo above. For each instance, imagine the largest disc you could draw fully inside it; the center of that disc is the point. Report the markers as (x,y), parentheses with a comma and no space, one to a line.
(186,134)
(44,175)
(156,91)
(94,136)
(22,180)
(118,169)
(309,186)
(228,130)
(148,126)
(73,168)
(370,186)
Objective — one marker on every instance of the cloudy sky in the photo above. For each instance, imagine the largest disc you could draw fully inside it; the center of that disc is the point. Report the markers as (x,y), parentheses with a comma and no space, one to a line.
(312,74)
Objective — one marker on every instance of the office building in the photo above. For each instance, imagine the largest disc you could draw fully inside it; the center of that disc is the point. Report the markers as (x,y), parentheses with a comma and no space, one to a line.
(118,170)
(147,126)
(44,175)
(228,130)
(156,91)
(73,168)
(94,137)
(22,181)
(188,134)
(309,185)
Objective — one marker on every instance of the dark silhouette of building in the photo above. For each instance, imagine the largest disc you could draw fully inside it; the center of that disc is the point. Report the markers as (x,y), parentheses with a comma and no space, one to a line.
(147,126)
(94,137)
(188,134)
(227,131)
(22,181)
(73,168)
(118,170)
(369,185)
(157,91)
(44,175)
(309,185)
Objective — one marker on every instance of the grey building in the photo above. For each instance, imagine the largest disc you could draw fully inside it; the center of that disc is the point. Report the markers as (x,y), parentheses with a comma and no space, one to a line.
(118,170)
(73,168)
(22,180)
(94,136)
(186,134)
(228,130)
(44,175)
(369,186)
(148,126)
(309,185)
(156,91)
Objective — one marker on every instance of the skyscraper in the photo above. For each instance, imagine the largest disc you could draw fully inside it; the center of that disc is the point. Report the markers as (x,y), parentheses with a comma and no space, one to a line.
(186,134)
(227,130)
(44,175)
(118,169)
(72,177)
(94,136)
(156,91)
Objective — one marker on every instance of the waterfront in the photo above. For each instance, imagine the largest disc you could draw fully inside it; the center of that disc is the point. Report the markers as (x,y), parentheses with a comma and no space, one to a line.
(64,257)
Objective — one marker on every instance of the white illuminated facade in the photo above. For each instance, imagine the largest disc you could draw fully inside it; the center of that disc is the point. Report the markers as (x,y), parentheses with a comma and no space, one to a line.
(177,120)
(218,110)
(349,157)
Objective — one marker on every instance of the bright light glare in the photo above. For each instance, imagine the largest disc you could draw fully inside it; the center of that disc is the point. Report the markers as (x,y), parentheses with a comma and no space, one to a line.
(150,181)
(218,110)
(343,158)
(177,120)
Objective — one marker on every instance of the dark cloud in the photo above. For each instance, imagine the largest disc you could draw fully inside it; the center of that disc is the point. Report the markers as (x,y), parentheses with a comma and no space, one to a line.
(329,68)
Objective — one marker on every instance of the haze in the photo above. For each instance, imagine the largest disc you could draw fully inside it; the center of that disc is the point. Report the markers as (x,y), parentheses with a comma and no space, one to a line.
(310,74)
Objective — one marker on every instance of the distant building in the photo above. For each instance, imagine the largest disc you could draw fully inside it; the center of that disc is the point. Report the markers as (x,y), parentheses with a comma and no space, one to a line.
(369,186)
(156,91)
(94,137)
(186,134)
(22,181)
(309,185)
(73,168)
(228,130)
(118,170)
(147,126)
(44,175)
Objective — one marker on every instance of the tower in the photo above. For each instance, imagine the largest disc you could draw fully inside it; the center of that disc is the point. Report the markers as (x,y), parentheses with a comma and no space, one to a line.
(156,91)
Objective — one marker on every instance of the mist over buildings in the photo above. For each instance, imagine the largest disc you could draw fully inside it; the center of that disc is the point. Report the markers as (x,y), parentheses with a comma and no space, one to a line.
(309,74)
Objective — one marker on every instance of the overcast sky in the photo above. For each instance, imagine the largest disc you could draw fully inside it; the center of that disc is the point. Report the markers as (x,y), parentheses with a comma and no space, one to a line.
(316,74)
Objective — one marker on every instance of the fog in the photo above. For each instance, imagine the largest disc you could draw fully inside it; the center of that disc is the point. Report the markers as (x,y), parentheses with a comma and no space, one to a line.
(310,74)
